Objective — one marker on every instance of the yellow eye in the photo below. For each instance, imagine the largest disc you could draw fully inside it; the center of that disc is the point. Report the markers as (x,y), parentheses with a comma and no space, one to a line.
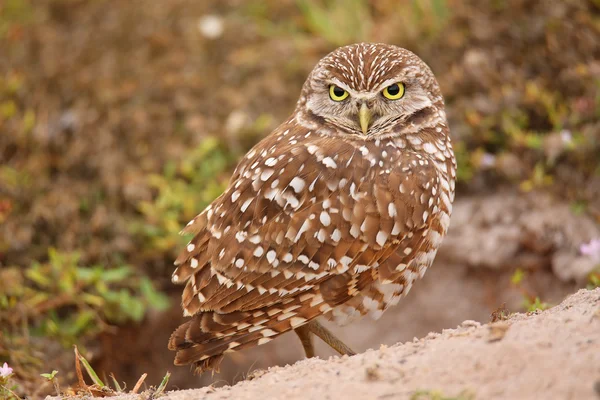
(337,93)
(394,92)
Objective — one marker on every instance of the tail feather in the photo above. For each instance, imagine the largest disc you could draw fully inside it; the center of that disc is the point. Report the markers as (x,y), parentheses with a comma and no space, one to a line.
(204,339)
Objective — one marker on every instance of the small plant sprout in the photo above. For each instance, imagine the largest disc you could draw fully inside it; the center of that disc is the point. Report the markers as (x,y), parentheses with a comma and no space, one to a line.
(51,377)
(531,302)
(535,305)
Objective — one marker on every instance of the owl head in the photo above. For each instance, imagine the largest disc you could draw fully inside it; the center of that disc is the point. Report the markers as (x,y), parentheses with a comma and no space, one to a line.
(370,91)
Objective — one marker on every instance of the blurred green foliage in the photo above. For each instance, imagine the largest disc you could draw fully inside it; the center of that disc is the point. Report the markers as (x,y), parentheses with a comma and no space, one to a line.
(528,130)
(535,305)
(14,14)
(50,376)
(182,191)
(69,302)
(337,21)
(594,279)
(7,391)
(342,22)
(438,395)
(530,302)
(429,16)
(517,277)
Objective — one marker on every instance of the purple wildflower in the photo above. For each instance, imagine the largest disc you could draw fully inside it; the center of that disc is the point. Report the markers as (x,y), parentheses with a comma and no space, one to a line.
(5,371)
(591,249)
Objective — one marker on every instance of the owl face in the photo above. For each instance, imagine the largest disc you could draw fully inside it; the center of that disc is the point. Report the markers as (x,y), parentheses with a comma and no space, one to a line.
(370,90)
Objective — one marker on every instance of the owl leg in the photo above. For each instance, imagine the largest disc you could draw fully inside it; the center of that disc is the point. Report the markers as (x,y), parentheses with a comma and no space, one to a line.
(305,336)
(326,335)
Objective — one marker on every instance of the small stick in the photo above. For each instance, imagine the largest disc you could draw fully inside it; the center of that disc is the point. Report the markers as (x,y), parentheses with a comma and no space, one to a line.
(139,383)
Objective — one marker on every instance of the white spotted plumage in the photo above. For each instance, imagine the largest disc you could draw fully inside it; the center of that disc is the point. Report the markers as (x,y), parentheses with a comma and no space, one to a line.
(319,218)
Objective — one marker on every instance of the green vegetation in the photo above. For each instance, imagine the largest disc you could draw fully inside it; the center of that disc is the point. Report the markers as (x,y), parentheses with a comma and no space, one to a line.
(337,21)
(51,377)
(106,155)
(13,15)
(341,22)
(594,279)
(100,389)
(535,305)
(437,395)
(64,301)
(530,302)
(183,190)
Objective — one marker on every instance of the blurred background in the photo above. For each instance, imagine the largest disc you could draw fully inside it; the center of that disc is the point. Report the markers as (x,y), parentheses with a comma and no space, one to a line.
(121,120)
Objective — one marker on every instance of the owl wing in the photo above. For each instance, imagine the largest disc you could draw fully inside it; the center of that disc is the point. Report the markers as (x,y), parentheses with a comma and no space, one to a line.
(295,234)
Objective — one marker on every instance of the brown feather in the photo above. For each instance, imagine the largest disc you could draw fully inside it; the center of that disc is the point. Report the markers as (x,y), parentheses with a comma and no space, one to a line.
(318,218)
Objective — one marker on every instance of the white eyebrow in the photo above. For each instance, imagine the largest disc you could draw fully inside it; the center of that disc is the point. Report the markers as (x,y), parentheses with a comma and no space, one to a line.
(388,83)
(337,82)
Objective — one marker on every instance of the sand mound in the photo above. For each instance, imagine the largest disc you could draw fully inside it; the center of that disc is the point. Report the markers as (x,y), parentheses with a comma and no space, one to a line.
(554,354)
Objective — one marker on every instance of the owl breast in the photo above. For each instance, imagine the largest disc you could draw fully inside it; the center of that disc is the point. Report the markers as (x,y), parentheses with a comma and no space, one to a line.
(420,176)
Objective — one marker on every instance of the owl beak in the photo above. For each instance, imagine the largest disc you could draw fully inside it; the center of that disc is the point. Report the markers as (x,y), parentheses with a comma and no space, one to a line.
(364,116)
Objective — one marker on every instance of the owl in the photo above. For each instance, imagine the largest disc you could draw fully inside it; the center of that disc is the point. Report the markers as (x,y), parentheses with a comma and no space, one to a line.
(336,213)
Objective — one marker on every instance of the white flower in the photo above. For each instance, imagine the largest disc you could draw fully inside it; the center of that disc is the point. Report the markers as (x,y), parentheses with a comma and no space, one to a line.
(5,371)
(211,26)
(591,249)
(566,136)
(488,160)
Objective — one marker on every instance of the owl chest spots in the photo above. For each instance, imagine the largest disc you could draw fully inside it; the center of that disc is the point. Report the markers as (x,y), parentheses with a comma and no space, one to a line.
(338,211)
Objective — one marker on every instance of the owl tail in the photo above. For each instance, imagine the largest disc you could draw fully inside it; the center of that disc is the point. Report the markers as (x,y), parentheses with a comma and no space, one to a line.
(207,336)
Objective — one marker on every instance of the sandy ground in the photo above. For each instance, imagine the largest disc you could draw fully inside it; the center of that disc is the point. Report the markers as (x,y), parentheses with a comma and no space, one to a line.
(504,230)
(553,354)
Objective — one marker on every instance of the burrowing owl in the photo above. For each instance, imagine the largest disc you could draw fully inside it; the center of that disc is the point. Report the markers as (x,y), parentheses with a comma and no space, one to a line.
(335,213)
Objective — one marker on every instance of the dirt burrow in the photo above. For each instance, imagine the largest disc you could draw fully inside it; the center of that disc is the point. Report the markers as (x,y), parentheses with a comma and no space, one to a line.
(553,354)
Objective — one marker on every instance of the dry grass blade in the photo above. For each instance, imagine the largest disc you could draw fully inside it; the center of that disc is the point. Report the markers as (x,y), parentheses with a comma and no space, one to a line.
(80,379)
(98,389)
(92,374)
(139,383)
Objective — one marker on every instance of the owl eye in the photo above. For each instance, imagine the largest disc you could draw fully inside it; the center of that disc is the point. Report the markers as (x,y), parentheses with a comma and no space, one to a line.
(337,93)
(394,92)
